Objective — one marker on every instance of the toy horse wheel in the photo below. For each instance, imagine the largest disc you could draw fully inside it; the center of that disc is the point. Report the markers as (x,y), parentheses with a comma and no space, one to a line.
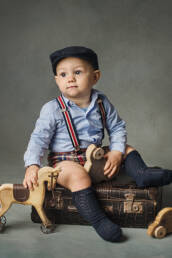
(3,220)
(98,153)
(160,232)
(48,229)
(2,223)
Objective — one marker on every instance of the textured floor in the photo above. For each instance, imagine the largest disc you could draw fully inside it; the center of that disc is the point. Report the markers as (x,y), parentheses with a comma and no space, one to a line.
(22,238)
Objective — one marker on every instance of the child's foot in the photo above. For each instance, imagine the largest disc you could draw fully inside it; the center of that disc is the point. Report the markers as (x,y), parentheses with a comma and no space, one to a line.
(88,207)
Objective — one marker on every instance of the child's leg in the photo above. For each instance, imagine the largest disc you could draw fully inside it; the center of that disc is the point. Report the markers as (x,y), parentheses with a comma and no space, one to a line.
(141,173)
(74,177)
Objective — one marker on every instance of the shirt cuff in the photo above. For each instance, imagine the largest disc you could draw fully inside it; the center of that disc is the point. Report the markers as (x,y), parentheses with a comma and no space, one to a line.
(118,147)
(32,162)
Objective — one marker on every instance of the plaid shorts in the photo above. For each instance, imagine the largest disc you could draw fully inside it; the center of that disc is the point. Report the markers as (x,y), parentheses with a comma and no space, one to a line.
(55,157)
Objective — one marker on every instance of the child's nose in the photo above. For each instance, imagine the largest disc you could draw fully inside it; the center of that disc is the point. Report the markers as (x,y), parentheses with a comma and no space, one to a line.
(71,78)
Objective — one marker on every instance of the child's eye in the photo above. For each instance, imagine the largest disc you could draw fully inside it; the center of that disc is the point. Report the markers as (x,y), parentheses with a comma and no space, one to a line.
(63,74)
(77,72)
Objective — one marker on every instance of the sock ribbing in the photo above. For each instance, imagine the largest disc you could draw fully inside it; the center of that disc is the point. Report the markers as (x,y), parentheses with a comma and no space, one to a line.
(88,207)
(144,175)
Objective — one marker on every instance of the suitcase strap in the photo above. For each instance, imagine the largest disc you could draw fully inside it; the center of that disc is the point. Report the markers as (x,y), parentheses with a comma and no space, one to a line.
(69,123)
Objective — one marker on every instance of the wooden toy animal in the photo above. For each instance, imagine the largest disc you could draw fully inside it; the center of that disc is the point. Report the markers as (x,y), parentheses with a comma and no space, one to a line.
(95,162)
(162,224)
(17,193)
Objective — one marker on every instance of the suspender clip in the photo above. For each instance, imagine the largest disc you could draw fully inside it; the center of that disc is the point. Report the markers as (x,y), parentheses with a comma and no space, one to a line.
(64,109)
(99,100)
(77,149)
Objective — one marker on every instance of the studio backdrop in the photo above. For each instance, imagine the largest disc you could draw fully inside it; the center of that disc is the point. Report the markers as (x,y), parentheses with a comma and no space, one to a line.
(133,40)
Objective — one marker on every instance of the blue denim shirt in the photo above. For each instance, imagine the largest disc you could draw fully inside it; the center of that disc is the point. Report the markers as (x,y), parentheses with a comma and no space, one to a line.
(51,133)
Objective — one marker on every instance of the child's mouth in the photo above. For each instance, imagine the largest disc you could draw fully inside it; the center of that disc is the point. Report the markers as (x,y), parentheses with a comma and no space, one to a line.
(70,87)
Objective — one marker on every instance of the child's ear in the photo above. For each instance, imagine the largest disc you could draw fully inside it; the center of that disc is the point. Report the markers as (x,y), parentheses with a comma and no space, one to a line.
(56,78)
(96,76)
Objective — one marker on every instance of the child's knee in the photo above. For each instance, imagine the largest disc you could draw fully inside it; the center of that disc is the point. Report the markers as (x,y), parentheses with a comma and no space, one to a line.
(128,149)
(73,176)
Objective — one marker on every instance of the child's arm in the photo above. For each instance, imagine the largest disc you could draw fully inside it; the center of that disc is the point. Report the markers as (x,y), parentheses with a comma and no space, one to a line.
(39,142)
(116,129)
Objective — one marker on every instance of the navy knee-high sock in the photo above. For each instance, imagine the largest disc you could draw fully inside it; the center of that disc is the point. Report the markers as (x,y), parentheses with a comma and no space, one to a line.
(144,175)
(88,207)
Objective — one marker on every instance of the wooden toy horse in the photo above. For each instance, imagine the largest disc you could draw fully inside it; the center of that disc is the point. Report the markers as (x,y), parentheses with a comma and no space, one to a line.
(17,193)
(162,224)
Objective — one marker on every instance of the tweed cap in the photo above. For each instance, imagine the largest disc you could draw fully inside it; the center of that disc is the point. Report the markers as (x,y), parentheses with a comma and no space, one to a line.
(74,51)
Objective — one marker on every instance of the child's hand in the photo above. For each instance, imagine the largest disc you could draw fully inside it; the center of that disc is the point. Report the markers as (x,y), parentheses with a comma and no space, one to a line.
(114,159)
(31,177)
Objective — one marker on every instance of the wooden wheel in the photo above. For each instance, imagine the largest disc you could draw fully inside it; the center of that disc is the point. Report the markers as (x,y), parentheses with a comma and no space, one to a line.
(2,223)
(48,229)
(3,220)
(160,232)
(98,153)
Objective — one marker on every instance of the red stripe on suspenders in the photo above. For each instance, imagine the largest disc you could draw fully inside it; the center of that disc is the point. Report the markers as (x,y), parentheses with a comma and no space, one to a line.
(71,129)
(69,124)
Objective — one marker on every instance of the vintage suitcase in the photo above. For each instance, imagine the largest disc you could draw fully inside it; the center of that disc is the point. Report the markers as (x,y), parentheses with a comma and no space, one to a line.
(126,205)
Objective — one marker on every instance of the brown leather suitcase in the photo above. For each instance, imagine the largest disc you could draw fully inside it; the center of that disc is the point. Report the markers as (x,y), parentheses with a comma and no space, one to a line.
(126,205)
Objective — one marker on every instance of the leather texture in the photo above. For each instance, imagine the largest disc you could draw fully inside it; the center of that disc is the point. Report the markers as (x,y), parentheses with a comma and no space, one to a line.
(126,205)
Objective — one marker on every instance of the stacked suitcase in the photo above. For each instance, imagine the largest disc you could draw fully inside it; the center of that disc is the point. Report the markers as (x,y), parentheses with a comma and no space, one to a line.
(125,204)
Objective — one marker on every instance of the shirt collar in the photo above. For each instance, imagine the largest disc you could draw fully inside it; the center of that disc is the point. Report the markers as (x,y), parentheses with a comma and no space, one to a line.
(67,101)
(94,96)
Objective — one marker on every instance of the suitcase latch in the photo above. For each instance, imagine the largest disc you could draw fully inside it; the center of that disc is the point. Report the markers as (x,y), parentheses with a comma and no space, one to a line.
(130,206)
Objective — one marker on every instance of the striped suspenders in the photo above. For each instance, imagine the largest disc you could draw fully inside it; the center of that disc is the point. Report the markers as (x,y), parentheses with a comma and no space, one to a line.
(102,113)
(69,124)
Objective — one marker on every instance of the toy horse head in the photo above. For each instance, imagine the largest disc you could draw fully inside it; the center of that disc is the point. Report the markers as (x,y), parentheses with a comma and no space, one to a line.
(49,175)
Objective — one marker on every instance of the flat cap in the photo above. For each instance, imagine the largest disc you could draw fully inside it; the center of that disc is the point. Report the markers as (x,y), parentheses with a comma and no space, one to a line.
(74,51)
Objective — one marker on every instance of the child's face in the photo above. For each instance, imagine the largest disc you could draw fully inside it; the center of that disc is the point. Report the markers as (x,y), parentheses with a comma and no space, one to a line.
(75,77)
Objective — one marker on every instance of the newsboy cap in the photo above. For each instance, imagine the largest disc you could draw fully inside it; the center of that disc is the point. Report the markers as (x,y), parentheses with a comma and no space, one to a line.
(74,51)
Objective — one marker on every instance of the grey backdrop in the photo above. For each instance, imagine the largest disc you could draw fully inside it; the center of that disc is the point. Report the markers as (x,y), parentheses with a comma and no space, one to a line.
(133,40)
